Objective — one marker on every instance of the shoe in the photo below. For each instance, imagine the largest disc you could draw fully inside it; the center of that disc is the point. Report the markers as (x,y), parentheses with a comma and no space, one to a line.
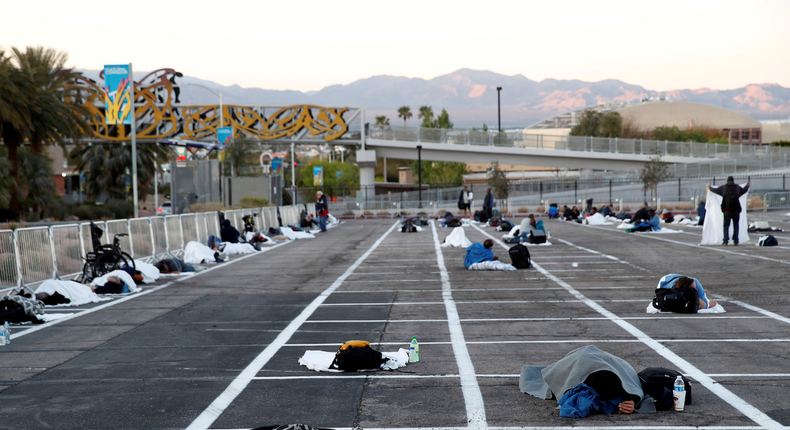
(628,230)
(724,244)
(735,244)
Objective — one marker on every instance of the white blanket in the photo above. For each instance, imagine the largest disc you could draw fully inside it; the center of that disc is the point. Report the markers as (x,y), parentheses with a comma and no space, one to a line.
(196,253)
(321,360)
(492,265)
(457,238)
(149,271)
(238,248)
(714,310)
(713,228)
(79,294)
(122,275)
(293,235)
(596,219)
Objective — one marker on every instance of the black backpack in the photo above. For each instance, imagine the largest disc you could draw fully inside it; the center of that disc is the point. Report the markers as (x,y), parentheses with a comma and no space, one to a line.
(505,225)
(730,200)
(659,382)
(14,313)
(455,222)
(768,240)
(356,358)
(684,300)
(519,255)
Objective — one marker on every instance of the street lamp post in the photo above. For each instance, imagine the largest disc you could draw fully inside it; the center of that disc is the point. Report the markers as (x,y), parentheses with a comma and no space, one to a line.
(498,110)
(419,174)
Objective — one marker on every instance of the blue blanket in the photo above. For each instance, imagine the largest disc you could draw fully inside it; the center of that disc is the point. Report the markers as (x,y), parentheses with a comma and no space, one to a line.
(477,253)
(581,400)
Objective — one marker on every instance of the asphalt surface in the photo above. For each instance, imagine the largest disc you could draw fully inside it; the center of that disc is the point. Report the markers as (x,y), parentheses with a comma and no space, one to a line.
(220,349)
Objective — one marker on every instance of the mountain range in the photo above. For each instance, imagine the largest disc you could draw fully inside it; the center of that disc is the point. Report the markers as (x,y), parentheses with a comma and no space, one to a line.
(470,96)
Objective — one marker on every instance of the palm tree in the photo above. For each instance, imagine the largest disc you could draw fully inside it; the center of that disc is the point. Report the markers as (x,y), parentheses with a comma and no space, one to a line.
(14,120)
(405,113)
(382,120)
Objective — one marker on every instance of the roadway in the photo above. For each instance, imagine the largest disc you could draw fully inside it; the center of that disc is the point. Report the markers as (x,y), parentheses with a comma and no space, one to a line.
(219,349)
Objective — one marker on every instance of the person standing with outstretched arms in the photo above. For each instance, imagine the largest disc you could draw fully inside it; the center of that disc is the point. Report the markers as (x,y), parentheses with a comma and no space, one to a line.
(731,207)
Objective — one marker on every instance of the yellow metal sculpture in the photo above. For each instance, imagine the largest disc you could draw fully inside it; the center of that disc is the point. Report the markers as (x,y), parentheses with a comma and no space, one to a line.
(158,118)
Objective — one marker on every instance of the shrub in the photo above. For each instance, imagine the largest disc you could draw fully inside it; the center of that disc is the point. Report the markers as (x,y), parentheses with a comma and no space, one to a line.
(348,213)
(421,213)
(368,213)
(541,209)
(383,213)
(254,202)
(206,207)
(522,210)
(119,209)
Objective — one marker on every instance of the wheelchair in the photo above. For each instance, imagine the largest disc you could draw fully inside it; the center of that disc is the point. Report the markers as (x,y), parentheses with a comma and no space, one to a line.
(105,258)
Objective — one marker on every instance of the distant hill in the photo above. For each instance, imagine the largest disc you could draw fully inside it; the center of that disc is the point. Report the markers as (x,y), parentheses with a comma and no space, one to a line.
(471,99)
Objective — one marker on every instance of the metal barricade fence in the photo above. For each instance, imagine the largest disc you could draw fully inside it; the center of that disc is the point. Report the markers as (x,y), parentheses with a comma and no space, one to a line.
(67,243)
(212,224)
(270,214)
(35,259)
(119,226)
(200,225)
(160,236)
(189,228)
(260,220)
(142,239)
(173,233)
(8,267)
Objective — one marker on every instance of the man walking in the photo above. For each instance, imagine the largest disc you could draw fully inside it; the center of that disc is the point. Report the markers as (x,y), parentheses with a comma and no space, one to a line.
(321,209)
(488,202)
(731,207)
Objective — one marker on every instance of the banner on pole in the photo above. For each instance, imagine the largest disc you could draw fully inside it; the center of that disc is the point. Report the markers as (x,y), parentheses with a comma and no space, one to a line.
(117,94)
(224,135)
(318,176)
(277,164)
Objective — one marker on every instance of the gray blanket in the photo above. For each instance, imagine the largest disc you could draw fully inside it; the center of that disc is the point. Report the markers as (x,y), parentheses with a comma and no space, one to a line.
(553,381)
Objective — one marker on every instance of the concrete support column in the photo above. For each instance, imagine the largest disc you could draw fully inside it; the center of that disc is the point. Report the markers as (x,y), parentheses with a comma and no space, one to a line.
(366,160)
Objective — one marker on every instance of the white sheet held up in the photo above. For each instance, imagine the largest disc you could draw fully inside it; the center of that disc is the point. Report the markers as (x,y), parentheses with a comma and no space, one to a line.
(713,228)
(457,238)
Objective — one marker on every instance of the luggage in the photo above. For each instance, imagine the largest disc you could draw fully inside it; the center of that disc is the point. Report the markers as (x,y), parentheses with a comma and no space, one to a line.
(519,256)
(658,383)
(767,240)
(353,358)
(684,300)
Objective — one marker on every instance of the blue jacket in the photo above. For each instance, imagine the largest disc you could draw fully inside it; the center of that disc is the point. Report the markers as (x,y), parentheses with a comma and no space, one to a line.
(477,253)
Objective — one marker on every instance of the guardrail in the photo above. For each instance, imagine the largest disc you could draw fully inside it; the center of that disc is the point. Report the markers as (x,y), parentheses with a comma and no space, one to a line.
(29,256)
(567,143)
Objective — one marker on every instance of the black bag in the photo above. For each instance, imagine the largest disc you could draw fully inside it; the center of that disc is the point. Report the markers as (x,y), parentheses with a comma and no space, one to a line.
(455,222)
(356,358)
(519,255)
(768,240)
(730,201)
(659,382)
(505,225)
(14,313)
(684,300)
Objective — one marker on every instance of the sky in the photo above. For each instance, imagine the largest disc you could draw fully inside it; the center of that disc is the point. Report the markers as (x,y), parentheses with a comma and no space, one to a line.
(308,45)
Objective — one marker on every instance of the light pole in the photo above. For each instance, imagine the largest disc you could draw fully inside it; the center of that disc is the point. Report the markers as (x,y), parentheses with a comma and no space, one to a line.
(419,174)
(498,110)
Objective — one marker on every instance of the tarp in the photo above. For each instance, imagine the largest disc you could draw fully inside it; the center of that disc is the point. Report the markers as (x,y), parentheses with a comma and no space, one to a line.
(457,238)
(713,229)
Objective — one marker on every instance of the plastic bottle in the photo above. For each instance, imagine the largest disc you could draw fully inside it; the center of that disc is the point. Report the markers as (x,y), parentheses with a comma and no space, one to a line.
(7,333)
(679,394)
(3,336)
(414,350)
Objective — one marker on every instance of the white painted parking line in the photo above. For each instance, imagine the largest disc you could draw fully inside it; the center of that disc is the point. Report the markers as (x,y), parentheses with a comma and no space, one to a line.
(711,319)
(705,380)
(762,311)
(215,409)
(564,341)
(473,397)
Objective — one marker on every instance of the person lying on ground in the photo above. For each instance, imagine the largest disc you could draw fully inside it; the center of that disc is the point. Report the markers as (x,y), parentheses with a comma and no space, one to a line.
(679,282)
(306,220)
(652,224)
(588,381)
(173,266)
(228,233)
(479,252)
(229,248)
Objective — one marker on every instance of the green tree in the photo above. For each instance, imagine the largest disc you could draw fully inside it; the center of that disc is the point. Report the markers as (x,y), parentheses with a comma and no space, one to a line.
(783,143)
(382,120)
(339,179)
(405,113)
(443,121)
(239,156)
(665,132)
(107,166)
(426,114)
(498,182)
(440,172)
(697,136)
(589,124)
(611,125)
(654,172)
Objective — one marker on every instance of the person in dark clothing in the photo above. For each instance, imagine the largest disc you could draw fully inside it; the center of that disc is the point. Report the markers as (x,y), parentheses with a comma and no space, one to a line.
(566,212)
(488,202)
(730,207)
(641,215)
(321,209)
(465,202)
(608,210)
(173,265)
(306,220)
(228,233)
(701,213)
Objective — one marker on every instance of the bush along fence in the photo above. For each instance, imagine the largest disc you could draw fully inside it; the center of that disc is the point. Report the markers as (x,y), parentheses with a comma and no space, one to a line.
(29,256)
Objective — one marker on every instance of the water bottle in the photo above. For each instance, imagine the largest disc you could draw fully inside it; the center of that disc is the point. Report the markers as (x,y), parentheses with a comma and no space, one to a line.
(7,333)
(3,336)
(414,350)
(679,394)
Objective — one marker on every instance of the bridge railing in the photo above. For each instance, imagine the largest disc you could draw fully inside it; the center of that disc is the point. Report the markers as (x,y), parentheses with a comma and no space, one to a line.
(568,143)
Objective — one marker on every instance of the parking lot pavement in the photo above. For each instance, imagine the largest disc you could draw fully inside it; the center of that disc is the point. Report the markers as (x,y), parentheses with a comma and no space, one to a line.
(219,350)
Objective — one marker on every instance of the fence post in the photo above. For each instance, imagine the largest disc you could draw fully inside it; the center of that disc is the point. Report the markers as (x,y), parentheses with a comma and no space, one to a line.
(14,238)
(610,191)
(575,191)
(52,252)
